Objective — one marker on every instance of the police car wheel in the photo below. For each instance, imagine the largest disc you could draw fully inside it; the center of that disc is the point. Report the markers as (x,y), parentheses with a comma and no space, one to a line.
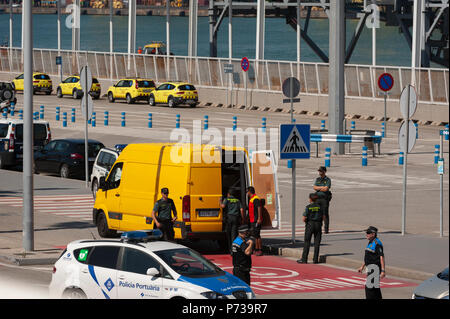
(74,293)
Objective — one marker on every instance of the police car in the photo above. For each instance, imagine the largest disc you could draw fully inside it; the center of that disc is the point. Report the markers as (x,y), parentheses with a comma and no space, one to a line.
(139,266)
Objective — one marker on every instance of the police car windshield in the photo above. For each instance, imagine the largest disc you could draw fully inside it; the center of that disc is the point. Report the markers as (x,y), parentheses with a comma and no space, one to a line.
(188,263)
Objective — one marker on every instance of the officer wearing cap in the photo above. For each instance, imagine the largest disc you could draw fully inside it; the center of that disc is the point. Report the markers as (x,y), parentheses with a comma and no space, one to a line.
(162,215)
(241,251)
(322,186)
(374,262)
(313,218)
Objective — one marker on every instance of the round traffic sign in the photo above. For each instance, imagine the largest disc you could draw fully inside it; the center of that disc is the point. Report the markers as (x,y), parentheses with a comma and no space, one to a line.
(291,87)
(86,78)
(408,103)
(385,82)
(245,64)
(403,138)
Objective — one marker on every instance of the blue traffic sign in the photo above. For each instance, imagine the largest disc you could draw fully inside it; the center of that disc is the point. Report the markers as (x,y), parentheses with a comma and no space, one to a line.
(295,140)
(385,82)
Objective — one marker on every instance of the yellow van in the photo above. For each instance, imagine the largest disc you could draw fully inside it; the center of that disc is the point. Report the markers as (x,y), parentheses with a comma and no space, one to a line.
(197,177)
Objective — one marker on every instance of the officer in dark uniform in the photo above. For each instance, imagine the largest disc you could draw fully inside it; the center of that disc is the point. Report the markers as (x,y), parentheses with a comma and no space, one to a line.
(313,218)
(234,216)
(322,186)
(162,215)
(374,262)
(241,251)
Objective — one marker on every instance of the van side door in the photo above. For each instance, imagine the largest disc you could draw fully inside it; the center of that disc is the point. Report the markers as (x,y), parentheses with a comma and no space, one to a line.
(265,181)
(112,196)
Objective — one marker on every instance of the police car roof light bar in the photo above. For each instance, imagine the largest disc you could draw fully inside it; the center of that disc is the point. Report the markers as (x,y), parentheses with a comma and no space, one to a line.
(141,235)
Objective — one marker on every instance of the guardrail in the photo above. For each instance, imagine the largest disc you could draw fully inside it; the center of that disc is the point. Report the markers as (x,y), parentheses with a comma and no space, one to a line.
(264,75)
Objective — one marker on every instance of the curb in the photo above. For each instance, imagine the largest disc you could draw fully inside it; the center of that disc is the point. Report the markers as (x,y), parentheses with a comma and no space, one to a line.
(23,261)
(350,263)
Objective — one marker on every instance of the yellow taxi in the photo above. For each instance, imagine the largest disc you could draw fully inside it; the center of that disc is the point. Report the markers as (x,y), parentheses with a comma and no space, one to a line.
(41,83)
(131,90)
(72,86)
(174,93)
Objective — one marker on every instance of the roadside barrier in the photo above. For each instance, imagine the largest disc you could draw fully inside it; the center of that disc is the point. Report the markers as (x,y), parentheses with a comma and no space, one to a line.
(322,124)
(417,130)
(446,135)
(234,123)
(93,119)
(327,157)
(383,129)
(5,114)
(177,121)
(364,156)
(206,122)
(123,123)
(106,118)
(41,112)
(12,108)
(436,153)
(401,158)
(64,119)
(370,139)
(58,111)
(36,115)
(353,127)
(72,119)
(150,120)
(20,114)
(264,124)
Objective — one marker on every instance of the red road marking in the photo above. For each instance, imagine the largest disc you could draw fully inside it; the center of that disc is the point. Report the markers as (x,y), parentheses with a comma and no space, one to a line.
(275,275)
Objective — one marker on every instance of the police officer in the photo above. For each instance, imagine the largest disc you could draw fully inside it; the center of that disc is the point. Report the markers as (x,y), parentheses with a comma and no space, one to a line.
(374,262)
(234,216)
(162,215)
(322,186)
(241,251)
(313,218)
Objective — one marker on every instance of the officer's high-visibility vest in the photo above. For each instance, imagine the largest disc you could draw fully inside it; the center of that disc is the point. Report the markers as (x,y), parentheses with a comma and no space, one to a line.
(253,215)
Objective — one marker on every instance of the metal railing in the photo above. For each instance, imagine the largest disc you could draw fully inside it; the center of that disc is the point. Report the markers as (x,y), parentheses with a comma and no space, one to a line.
(432,84)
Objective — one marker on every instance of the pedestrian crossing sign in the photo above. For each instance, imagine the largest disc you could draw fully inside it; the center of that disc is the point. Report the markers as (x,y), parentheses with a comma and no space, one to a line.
(295,141)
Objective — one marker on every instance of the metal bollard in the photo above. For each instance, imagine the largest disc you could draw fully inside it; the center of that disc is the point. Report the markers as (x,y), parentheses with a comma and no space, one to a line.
(436,153)
(353,127)
(446,135)
(289,164)
(106,118)
(36,116)
(150,120)
(206,122)
(322,125)
(41,112)
(417,130)
(123,124)
(72,119)
(364,156)
(383,128)
(264,123)
(5,114)
(58,111)
(20,114)
(64,119)
(234,123)
(93,119)
(401,158)
(327,157)
(177,121)
(11,109)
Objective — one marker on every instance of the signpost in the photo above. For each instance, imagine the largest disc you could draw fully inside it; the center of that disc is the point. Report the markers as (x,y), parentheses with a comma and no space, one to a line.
(408,105)
(245,65)
(291,88)
(87,109)
(441,170)
(228,68)
(385,83)
(295,140)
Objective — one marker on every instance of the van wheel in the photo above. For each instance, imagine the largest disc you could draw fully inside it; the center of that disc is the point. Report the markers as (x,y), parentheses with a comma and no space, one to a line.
(171,102)
(74,293)
(64,171)
(110,97)
(102,227)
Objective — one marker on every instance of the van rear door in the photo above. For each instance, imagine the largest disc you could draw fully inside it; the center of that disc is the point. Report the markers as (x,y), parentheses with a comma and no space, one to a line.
(264,177)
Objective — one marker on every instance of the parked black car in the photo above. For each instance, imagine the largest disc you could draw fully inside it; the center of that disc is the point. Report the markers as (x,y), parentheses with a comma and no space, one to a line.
(66,157)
